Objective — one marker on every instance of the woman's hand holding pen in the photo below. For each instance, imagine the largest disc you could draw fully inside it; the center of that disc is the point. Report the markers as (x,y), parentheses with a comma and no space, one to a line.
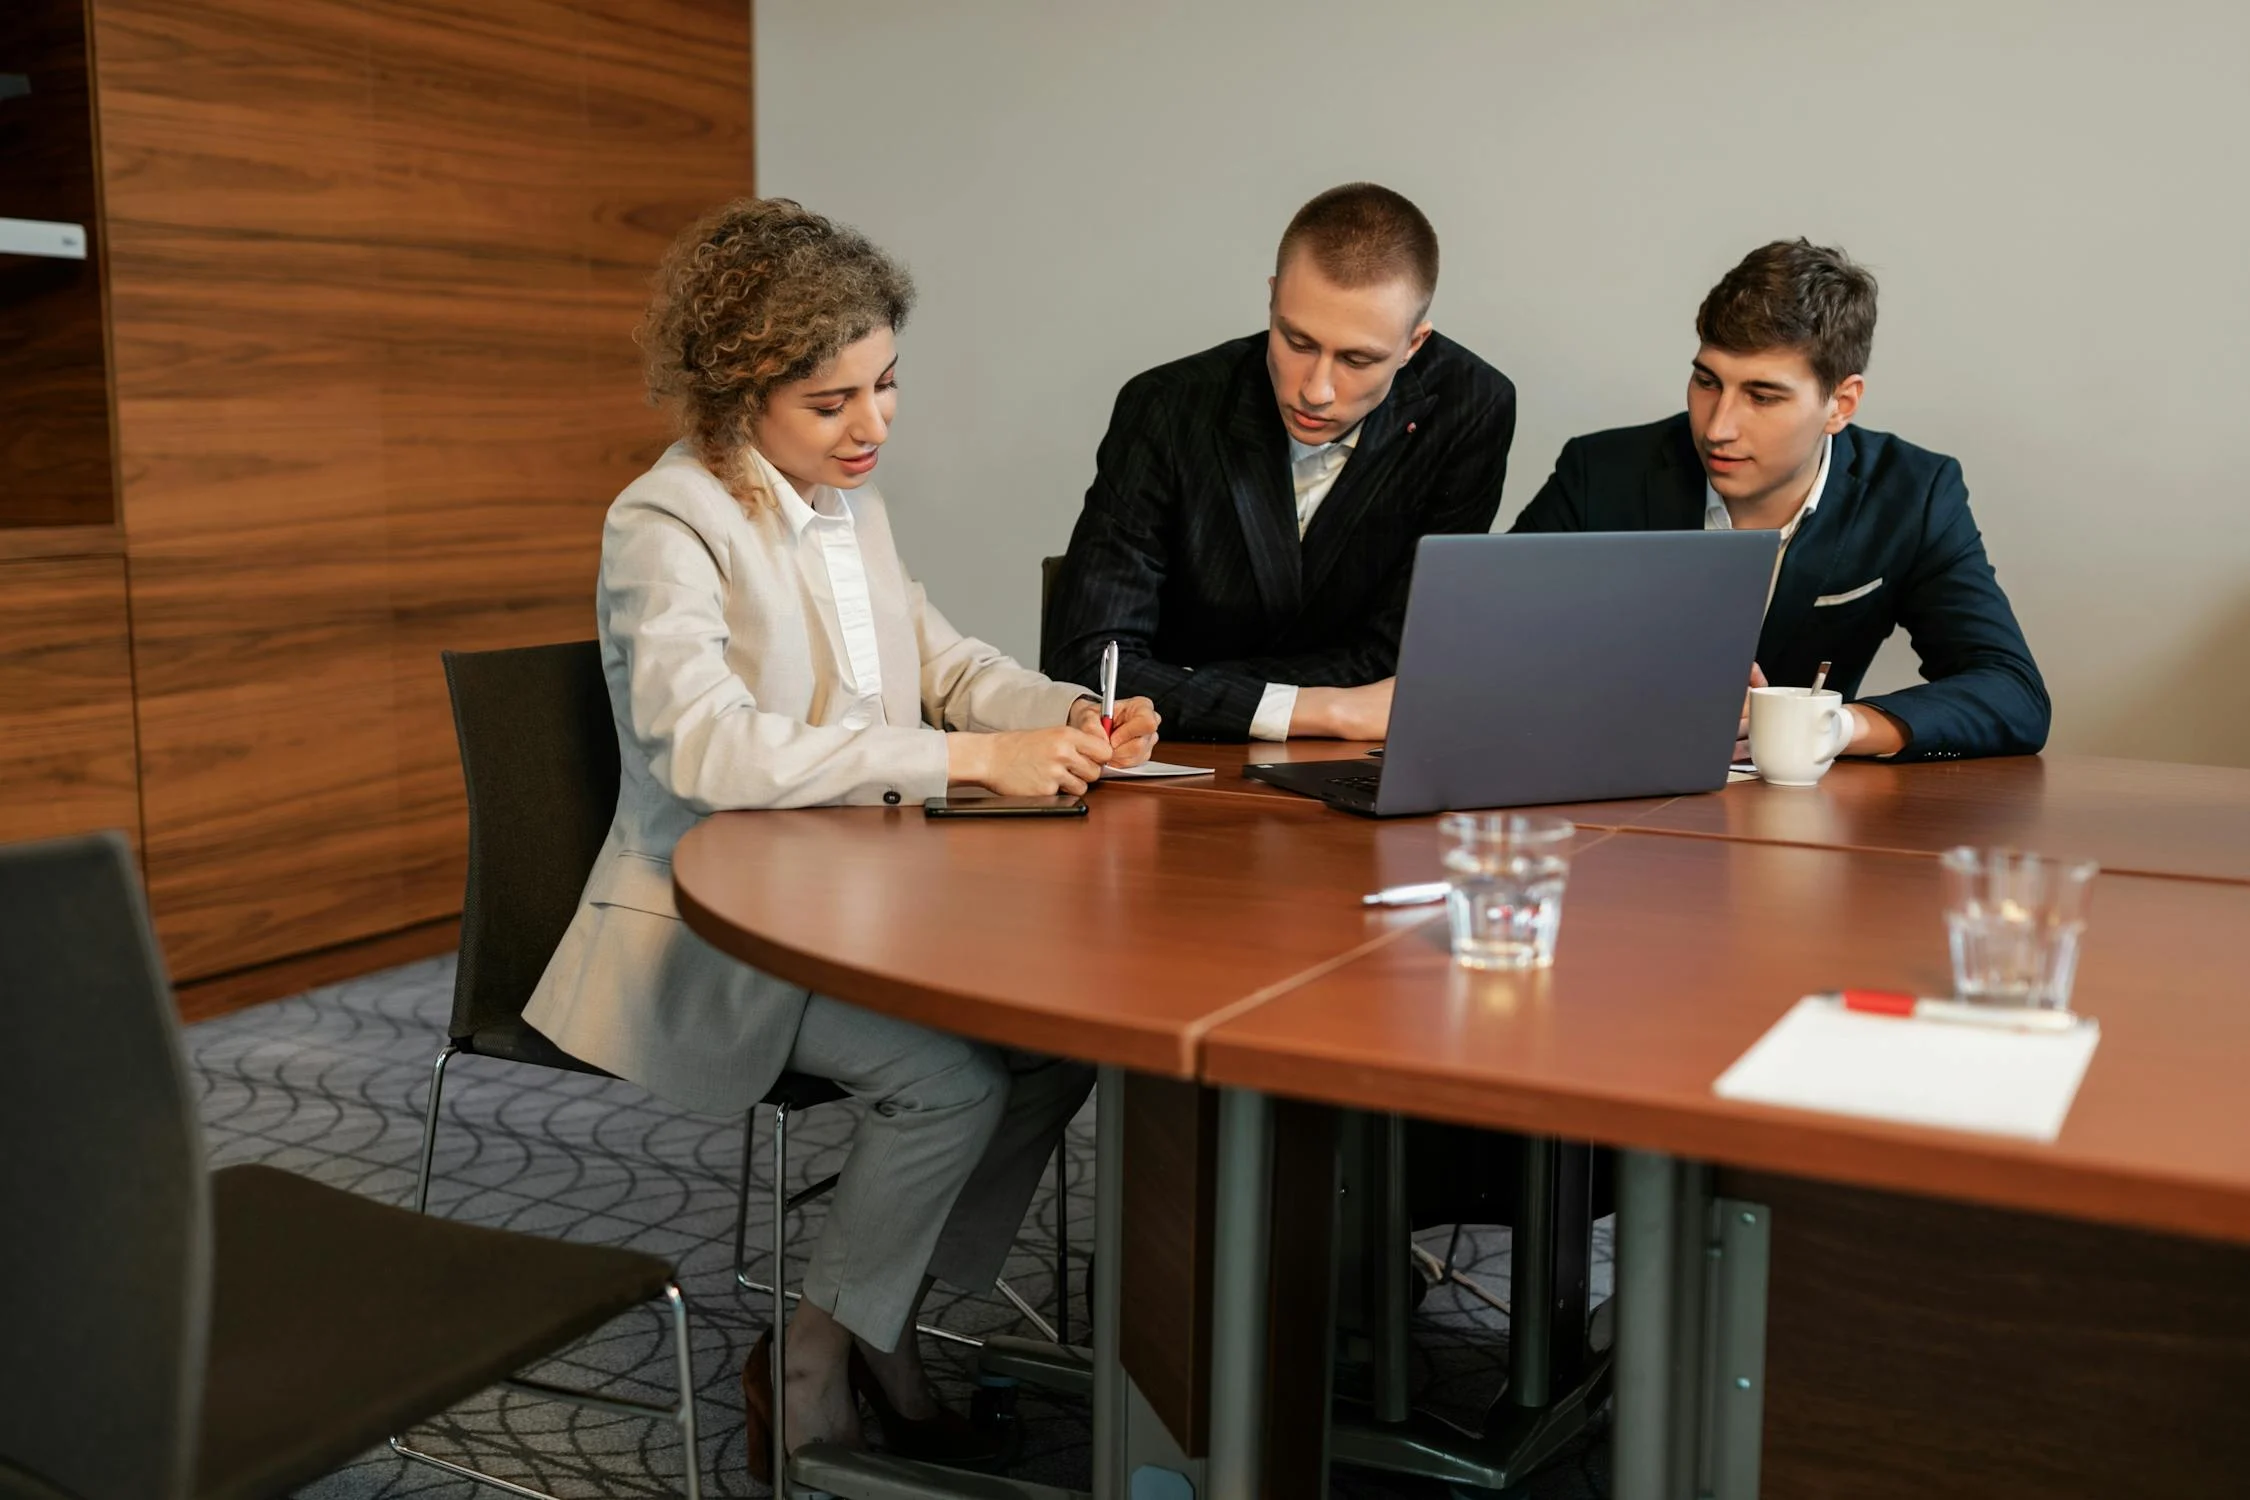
(1067,758)
(1029,762)
(1133,740)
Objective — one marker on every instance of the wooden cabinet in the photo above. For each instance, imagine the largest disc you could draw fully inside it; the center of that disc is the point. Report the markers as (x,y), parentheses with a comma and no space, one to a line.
(55,466)
(373,273)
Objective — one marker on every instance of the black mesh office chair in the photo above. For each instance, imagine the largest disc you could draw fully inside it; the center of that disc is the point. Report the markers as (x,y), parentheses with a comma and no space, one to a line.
(173,1333)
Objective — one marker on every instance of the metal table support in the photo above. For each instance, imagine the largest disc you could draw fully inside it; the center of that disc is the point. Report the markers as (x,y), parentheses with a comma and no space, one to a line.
(1240,1255)
(1691,1333)
(1557,1380)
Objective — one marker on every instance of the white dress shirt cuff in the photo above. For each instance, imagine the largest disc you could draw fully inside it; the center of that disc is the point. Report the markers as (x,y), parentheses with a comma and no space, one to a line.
(1271,721)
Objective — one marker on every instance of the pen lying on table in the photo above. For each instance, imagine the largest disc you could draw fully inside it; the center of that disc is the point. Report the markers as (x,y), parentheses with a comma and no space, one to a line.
(1408,895)
(1963,1012)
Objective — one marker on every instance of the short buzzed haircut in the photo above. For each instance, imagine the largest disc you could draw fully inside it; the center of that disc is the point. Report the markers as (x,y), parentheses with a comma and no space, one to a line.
(1794,294)
(1363,233)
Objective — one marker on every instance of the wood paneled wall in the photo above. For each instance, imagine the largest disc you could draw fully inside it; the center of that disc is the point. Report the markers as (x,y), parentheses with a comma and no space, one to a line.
(374,271)
(66,698)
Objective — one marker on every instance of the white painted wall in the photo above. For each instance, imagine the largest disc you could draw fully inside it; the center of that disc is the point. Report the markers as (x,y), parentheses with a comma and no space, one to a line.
(2053,196)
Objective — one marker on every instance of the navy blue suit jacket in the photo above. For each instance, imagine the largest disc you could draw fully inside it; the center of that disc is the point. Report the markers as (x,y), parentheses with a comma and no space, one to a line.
(1892,543)
(1187,553)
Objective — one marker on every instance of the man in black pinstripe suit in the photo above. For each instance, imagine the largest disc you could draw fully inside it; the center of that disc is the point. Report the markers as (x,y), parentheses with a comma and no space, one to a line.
(1250,532)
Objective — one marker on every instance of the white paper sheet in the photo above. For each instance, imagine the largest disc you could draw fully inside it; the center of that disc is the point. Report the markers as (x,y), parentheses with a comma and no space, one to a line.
(1956,1077)
(1152,769)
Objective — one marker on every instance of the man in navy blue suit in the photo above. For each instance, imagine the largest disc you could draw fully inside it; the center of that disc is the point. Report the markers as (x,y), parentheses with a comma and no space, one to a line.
(1875,532)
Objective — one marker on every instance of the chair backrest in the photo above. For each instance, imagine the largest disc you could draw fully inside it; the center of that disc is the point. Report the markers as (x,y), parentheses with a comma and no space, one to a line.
(1050,568)
(105,1257)
(539,756)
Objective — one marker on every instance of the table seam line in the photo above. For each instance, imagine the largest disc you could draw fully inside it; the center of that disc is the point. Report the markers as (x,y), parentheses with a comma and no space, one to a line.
(1893,849)
(1200,1029)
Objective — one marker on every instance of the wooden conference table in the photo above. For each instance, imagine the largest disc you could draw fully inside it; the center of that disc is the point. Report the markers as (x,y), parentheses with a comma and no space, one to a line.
(1939,1314)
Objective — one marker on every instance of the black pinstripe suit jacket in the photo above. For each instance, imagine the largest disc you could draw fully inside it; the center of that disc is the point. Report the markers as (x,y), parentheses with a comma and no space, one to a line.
(1187,552)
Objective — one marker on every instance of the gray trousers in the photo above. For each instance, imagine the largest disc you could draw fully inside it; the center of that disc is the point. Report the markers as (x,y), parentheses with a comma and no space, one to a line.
(942,1167)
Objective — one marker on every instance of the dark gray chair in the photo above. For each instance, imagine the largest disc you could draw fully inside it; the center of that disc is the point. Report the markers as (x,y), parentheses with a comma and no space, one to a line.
(173,1333)
(539,759)
(540,762)
(1050,568)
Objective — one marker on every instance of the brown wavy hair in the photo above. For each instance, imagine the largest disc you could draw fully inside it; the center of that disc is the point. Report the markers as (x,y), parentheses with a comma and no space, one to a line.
(750,297)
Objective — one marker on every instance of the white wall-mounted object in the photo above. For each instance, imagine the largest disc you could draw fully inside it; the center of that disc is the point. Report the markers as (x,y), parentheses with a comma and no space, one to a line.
(48,237)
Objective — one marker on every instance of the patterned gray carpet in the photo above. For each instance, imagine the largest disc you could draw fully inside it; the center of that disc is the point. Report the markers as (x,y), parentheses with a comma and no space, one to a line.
(332,1084)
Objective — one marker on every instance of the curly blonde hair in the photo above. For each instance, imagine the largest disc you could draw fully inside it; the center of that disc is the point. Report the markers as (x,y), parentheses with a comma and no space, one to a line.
(750,297)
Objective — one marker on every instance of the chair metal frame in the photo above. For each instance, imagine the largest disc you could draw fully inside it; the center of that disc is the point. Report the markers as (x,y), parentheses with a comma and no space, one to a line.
(1057,1332)
(681,1414)
(785,1203)
(199,1312)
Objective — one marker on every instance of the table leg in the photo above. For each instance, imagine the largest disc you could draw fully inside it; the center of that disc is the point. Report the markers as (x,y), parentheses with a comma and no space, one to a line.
(1665,1257)
(1554,1387)
(1394,1235)
(1647,1257)
(1110,1482)
(1238,1294)
(1533,1260)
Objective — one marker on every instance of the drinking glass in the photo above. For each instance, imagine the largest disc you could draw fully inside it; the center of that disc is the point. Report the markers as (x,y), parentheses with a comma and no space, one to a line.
(2014,920)
(1507,872)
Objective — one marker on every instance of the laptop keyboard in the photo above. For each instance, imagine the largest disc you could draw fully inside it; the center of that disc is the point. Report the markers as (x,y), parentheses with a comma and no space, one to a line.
(1366,784)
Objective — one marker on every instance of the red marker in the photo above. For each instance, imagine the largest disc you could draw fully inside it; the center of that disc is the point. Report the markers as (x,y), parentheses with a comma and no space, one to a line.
(2006,1017)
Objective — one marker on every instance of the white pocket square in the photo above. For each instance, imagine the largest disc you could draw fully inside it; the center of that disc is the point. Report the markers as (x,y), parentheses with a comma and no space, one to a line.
(1848,595)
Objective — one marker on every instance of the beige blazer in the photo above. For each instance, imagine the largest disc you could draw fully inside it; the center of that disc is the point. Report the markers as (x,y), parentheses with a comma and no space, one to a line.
(725,685)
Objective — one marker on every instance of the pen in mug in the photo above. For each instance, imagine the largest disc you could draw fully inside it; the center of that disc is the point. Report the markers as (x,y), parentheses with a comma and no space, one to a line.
(1408,895)
(1109,688)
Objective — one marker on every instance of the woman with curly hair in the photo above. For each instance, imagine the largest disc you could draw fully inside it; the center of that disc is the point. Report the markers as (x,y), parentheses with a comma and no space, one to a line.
(765,647)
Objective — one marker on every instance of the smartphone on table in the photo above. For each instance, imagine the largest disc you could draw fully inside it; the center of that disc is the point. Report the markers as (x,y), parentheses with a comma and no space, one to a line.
(1061,806)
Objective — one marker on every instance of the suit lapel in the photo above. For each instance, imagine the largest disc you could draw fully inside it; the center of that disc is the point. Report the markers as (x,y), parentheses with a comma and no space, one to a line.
(1812,552)
(1674,496)
(1254,457)
(1383,444)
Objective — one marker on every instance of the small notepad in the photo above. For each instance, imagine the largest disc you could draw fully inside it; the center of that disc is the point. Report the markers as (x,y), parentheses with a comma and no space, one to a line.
(1151,769)
(1940,1073)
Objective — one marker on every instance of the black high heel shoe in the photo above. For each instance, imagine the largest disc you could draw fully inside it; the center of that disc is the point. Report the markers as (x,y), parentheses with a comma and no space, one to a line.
(947,1438)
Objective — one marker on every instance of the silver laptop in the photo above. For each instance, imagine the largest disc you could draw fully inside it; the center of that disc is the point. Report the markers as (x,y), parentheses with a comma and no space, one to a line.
(1560,668)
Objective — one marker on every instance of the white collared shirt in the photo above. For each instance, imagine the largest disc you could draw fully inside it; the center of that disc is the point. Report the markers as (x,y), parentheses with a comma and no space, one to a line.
(829,561)
(1312,473)
(1716,516)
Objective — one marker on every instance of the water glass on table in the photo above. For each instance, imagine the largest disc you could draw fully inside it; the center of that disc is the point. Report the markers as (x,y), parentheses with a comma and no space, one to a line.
(2014,921)
(1507,872)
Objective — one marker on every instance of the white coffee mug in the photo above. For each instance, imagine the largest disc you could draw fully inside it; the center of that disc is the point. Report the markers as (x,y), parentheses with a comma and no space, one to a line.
(1796,734)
